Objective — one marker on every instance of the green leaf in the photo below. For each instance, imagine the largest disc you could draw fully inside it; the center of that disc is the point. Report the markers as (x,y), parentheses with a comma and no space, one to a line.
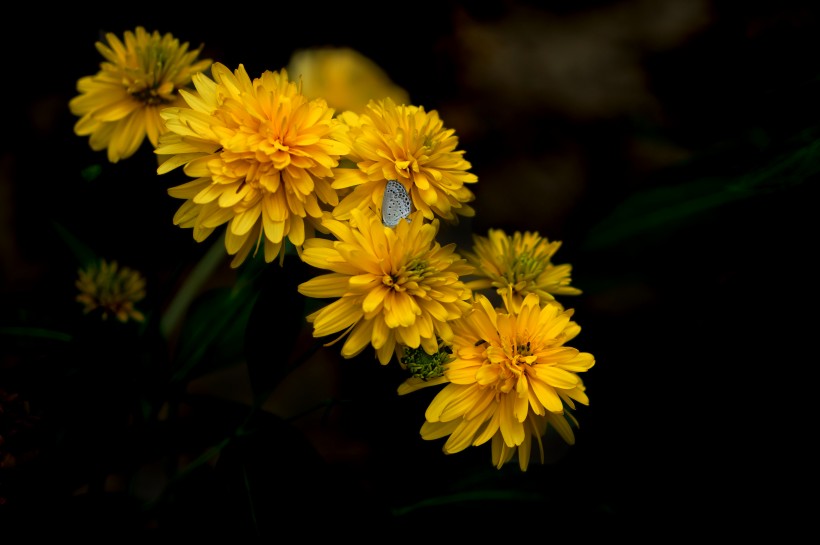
(200,274)
(472,496)
(213,332)
(83,253)
(268,478)
(652,213)
(275,323)
(91,172)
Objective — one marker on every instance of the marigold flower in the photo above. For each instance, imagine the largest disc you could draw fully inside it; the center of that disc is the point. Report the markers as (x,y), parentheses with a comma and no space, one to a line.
(344,77)
(408,144)
(511,376)
(395,287)
(120,105)
(261,153)
(112,290)
(518,265)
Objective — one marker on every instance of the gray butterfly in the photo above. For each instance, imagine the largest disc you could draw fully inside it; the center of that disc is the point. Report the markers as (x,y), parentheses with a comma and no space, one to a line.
(396,203)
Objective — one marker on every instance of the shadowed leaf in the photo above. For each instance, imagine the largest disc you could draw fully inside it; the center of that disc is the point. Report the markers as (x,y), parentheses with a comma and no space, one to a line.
(654,212)
(274,324)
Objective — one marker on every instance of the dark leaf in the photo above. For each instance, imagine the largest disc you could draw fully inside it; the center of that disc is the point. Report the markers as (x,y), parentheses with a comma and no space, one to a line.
(275,323)
(651,214)
(213,331)
(83,253)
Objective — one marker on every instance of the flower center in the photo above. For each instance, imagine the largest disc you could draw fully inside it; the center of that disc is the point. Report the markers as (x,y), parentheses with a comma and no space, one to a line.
(525,266)
(423,365)
(508,374)
(417,270)
(152,96)
(511,361)
(413,277)
(150,80)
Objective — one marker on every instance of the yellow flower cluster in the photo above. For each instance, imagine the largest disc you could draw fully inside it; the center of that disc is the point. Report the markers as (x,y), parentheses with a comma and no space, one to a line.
(112,290)
(274,161)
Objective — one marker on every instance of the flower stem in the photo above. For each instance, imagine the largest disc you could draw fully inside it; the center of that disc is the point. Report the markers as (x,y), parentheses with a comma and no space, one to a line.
(191,287)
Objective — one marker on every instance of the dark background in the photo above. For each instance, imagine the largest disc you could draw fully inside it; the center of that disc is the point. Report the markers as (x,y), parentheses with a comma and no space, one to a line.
(669,145)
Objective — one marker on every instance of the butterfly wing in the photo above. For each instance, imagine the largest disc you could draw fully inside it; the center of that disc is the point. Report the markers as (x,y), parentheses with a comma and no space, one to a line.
(396,203)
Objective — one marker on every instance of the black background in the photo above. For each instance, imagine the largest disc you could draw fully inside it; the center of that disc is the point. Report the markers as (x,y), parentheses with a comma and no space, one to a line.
(700,324)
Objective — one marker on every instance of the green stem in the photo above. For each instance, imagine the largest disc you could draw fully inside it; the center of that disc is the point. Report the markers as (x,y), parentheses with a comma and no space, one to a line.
(192,286)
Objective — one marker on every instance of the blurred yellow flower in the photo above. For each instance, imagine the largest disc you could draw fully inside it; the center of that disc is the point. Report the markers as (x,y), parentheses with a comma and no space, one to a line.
(344,77)
(120,105)
(112,290)
(509,379)
(519,265)
(408,144)
(261,154)
(395,287)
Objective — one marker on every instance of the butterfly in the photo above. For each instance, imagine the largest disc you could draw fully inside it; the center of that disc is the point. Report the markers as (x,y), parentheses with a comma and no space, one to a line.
(395,204)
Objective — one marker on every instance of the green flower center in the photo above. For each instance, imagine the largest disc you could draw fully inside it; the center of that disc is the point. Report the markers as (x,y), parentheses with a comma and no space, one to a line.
(426,366)
(417,270)
(526,265)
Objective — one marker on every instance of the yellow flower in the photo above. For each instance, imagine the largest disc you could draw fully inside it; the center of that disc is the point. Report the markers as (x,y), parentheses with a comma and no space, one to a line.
(408,144)
(519,265)
(261,154)
(511,376)
(344,77)
(120,105)
(112,290)
(395,287)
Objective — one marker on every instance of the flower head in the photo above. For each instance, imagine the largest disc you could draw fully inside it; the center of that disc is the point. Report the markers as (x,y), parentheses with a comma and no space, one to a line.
(395,287)
(112,290)
(424,366)
(121,104)
(408,144)
(261,154)
(518,265)
(511,376)
(344,77)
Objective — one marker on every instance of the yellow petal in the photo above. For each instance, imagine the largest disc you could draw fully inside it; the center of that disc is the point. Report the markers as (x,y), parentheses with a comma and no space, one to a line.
(358,339)
(336,316)
(325,286)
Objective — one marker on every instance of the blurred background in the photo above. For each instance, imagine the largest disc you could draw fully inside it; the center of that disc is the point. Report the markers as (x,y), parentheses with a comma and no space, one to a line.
(671,145)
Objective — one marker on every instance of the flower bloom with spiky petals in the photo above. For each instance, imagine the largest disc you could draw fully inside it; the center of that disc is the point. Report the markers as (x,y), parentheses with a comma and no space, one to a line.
(408,144)
(511,376)
(111,289)
(121,104)
(395,287)
(518,265)
(261,153)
